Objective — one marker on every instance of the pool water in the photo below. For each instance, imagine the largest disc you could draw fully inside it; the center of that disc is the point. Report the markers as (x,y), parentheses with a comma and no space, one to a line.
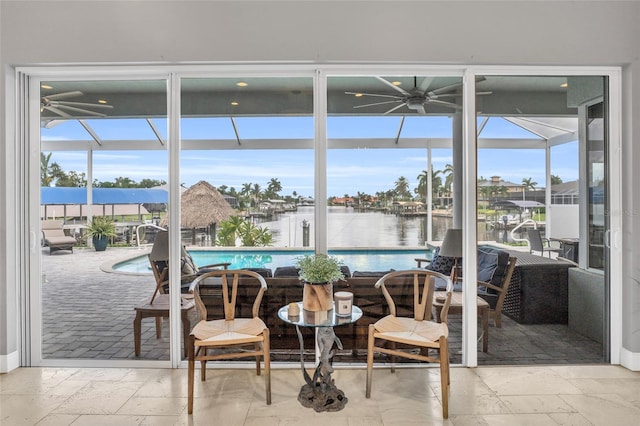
(356,260)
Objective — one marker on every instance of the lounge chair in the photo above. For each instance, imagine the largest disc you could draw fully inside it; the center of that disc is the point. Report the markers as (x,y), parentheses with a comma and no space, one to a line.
(53,236)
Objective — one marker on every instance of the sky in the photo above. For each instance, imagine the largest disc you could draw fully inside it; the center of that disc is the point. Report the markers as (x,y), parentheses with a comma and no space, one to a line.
(349,170)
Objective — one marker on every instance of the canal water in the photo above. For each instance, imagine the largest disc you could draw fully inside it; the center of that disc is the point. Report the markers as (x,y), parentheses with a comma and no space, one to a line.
(350,228)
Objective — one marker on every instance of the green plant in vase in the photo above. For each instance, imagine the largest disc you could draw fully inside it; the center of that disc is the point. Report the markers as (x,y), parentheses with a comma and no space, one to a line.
(100,229)
(318,272)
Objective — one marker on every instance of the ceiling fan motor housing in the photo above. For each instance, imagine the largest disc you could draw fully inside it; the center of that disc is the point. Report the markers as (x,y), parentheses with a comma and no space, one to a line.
(415,103)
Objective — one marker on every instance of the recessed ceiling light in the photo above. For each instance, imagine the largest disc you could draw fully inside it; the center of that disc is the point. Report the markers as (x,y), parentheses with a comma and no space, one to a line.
(102,101)
(45,86)
(564,85)
(242,84)
(396,83)
(358,95)
(234,103)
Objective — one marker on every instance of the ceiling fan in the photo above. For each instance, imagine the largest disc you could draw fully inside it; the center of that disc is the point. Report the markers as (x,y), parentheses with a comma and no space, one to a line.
(58,105)
(416,98)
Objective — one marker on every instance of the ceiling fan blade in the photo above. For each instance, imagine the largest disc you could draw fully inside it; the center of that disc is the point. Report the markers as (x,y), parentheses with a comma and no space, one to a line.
(378,103)
(424,85)
(444,89)
(394,108)
(444,103)
(81,111)
(456,95)
(64,95)
(374,94)
(49,124)
(80,104)
(56,111)
(450,87)
(399,89)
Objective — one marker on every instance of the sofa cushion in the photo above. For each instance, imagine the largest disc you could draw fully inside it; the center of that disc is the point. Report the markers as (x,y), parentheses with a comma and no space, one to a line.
(264,272)
(441,264)
(493,263)
(371,274)
(286,271)
(345,271)
(502,263)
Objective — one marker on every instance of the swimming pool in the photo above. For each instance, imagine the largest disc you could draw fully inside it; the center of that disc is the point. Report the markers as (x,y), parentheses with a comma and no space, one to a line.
(356,260)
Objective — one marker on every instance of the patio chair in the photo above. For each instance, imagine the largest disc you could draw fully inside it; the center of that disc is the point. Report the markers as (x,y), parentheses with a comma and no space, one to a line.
(493,288)
(159,262)
(53,236)
(495,269)
(234,336)
(537,243)
(417,331)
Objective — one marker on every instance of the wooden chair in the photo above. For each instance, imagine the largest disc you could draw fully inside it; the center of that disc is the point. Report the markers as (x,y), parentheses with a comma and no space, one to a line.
(537,243)
(159,263)
(157,306)
(237,337)
(495,294)
(417,331)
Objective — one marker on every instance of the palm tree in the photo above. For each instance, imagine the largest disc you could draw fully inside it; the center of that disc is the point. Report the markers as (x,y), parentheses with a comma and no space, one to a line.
(421,190)
(485,191)
(448,178)
(256,192)
(246,191)
(402,188)
(527,184)
(555,180)
(45,170)
(273,188)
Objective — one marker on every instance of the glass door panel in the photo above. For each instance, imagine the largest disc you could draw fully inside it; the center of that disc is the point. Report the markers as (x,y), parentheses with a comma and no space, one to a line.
(529,189)
(103,161)
(247,176)
(391,177)
(597,182)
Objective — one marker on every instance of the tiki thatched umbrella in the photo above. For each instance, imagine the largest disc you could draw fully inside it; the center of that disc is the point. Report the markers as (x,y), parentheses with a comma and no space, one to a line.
(203,207)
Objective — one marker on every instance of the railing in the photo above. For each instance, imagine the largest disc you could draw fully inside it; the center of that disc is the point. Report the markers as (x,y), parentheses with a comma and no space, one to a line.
(146,225)
(525,222)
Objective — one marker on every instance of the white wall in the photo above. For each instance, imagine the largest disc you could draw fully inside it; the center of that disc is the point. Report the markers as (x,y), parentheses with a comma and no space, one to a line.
(564,221)
(513,33)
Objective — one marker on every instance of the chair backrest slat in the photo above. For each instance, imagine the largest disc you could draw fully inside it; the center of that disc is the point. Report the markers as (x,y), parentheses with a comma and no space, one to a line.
(423,282)
(229,281)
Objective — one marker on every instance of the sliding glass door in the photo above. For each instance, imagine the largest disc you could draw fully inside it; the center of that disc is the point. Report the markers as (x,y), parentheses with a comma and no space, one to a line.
(370,166)
(103,171)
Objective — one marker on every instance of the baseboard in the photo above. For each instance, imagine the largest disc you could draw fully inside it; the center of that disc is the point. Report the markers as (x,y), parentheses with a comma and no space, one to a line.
(630,360)
(9,362)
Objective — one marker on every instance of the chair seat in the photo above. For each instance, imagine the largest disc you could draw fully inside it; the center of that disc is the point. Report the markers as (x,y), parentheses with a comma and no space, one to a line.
(223,332)
(408,330)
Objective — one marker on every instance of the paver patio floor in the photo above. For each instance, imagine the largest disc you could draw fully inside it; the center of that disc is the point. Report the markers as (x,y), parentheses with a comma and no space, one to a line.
(88,314)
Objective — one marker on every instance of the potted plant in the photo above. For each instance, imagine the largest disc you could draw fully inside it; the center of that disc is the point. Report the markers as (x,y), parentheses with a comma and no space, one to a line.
(100,229)
(318,272)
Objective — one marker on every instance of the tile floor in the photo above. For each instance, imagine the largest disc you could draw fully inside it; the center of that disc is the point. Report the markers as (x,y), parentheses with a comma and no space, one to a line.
(521,395)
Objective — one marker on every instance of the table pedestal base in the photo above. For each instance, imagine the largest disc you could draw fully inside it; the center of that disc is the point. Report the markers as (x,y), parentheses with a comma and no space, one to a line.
(330,399)
(320,392)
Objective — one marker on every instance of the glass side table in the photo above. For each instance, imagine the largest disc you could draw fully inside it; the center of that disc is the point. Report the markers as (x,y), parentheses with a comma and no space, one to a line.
(320,391)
